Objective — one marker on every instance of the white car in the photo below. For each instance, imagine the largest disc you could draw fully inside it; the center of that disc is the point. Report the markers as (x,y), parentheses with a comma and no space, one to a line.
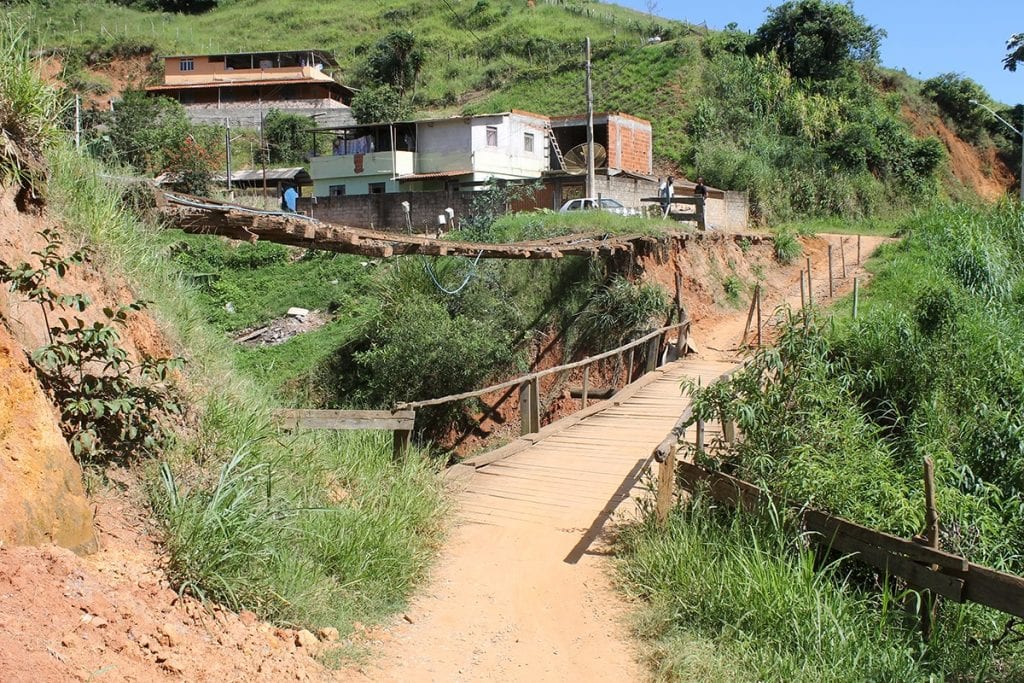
(591,203)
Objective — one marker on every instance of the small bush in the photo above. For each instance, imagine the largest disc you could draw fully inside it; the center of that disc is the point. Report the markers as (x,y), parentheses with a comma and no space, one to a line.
(787,248)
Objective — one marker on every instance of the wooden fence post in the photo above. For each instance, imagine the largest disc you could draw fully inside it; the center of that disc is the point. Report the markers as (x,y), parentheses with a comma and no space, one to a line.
(842,255)
(586,382)
(856,295)
(930,538)
(810,289)
(666,485)
(758,300)
(803,294)
(700,435)
(831,293)
(858,250)
(750,313)
(629,366)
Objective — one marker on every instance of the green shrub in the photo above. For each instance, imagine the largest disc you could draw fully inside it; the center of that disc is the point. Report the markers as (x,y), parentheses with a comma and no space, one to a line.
(787,248)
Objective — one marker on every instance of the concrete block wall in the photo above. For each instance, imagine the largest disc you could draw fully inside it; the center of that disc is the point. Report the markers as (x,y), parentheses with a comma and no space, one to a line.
(384,211)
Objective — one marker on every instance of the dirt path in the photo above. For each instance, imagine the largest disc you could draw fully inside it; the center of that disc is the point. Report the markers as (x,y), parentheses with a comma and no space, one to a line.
(718,335)
(504,604)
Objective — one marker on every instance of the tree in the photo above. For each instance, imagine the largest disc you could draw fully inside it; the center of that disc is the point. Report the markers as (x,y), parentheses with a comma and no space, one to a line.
(817,39)
(1014,52)
(380,104)
(289,136)
(144,128)
(191,166)
(396,60)
(953,93)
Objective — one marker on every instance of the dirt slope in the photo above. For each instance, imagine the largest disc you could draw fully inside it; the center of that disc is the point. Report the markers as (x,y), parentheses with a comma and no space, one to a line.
(980,170)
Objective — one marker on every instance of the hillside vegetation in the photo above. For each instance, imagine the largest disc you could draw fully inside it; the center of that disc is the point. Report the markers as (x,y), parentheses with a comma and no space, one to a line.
(806,133)
(841,416)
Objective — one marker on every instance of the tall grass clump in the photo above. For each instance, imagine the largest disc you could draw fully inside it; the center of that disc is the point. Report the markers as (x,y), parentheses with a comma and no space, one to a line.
(741,598)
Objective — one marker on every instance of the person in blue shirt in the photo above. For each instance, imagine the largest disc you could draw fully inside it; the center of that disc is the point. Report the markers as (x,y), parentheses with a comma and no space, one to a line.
(289,198)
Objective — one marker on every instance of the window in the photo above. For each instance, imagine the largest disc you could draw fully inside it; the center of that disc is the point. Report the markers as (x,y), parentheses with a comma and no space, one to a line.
(337,191)
(186,65)
(377,188)
(492,136)
(528,142)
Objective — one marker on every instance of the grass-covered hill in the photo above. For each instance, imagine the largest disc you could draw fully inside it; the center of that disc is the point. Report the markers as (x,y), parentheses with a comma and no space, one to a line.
(743,113)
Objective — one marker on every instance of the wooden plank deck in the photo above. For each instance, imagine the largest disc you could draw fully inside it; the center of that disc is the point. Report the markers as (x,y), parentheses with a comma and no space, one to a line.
(578,477)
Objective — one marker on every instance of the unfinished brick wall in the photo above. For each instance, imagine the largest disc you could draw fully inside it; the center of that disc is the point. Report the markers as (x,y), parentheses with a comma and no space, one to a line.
(629,144)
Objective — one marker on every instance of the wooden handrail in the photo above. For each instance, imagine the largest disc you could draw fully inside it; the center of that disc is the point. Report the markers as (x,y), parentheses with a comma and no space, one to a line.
(542,373)
(677,431)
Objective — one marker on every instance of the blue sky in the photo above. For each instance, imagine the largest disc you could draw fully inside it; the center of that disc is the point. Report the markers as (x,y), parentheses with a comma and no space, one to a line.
(926,37)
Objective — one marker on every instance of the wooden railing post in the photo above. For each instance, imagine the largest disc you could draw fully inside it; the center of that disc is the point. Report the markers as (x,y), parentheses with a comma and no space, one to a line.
(535,405)
(666,485)
(586,382)
(700,435)
(629,366)
(525,412)
(750,313)
(930,538)
(401,438)
(729,430)
(653,347)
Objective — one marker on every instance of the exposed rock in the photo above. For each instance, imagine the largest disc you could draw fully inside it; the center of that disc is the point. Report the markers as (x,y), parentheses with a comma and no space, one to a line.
(304,638)
(328,634)
(42,499)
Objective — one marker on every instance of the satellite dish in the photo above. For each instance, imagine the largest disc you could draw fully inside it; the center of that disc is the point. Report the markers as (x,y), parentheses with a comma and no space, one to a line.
(576,158)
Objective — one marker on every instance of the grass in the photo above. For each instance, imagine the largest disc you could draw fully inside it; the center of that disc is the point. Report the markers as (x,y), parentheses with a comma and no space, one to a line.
(738,598)
(305,529)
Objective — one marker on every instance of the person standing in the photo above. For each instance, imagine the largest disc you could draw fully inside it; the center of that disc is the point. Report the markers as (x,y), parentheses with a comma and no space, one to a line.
(700,190)
(666,197)
(290,198)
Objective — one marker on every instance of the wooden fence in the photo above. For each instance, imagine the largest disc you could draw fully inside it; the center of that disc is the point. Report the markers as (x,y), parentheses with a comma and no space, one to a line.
(917,561)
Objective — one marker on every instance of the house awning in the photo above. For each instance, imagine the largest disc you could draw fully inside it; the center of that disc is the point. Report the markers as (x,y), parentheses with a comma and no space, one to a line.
(249,83)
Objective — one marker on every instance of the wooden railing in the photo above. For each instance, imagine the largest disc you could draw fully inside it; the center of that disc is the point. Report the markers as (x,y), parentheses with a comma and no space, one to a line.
(918,561)
(529,384)
(399,422)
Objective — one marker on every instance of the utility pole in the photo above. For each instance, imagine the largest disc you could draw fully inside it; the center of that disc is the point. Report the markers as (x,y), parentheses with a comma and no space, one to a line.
(591,181)
(227,150)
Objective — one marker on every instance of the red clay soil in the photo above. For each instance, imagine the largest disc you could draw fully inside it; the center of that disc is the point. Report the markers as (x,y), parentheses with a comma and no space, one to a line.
(981,170)
(112,615)
(118,75)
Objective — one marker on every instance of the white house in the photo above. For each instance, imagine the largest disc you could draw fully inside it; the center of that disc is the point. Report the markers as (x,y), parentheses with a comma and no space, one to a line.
(433,154)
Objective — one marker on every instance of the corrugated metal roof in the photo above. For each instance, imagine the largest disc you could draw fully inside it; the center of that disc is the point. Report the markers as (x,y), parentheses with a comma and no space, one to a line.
(256,175)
